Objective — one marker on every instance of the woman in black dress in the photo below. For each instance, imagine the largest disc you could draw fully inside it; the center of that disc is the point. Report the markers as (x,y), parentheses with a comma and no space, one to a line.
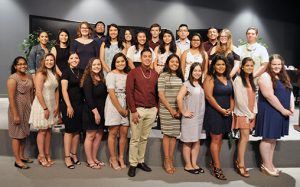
(71,109)
(95,93)
(217,120)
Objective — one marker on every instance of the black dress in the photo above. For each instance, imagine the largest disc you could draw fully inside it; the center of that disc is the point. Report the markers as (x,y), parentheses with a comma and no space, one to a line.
(95,96)
(62,56)
(76,99)
(214,121)
(231,57)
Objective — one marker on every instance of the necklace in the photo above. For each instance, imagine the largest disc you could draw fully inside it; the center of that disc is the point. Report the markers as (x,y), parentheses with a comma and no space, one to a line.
(76,75)
(145,75)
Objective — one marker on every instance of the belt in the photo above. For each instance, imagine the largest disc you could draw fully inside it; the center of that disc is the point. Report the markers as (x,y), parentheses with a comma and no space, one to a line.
(145,106)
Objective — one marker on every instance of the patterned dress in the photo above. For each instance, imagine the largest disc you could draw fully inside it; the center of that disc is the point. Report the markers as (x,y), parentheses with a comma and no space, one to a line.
(170,85)
(23,98)
(110,53)
(37,117)
(190,59)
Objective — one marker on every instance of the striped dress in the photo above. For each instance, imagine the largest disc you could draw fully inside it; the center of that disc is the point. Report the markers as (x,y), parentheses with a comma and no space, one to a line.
(170,85)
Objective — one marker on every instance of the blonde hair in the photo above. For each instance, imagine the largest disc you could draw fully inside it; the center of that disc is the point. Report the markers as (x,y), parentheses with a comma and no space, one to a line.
(225,48)
(78,31)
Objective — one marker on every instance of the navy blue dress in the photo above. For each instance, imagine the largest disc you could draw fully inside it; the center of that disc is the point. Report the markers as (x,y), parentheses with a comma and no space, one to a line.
(214,121)
(270,123)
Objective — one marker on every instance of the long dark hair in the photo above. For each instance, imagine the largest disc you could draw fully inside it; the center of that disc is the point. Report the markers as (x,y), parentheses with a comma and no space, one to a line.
(242,74)
(211,70)
(113,63)
(201,47)
(136,43)
(88,72)
(191,78)
(108,38)
(57,39)
(167,69)
(173,47)
(132,35)
(282,75)
(15,62)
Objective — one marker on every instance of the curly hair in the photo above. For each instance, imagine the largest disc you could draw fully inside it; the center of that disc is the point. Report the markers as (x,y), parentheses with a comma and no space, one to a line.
(89,73)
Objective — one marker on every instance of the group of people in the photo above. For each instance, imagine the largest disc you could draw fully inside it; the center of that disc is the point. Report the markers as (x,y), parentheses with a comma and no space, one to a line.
(196,88)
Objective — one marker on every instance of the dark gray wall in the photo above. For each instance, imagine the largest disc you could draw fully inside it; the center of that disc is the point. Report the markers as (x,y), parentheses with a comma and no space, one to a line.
(233,14)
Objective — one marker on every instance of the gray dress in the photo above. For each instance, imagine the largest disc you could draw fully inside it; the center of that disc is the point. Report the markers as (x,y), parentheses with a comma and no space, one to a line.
(118,83)
(110,53)
(194,101)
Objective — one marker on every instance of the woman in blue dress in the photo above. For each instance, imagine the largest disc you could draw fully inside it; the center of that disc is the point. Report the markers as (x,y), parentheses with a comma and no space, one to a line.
(275,105)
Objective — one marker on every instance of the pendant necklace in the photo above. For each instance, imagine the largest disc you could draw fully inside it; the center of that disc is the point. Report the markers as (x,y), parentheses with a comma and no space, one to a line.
(145,75)
(76,75)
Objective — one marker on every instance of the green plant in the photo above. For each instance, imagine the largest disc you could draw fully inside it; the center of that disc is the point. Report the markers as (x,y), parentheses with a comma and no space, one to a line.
(32,40)
(259,40)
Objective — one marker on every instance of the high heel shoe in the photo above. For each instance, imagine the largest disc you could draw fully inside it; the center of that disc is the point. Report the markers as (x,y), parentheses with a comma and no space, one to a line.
(265,170)
(122,163)
(74,159)
(114,166)
(167,166)
(241,170)
(70,166)
(43,161)
(218,173)
(48,158)
(172,165)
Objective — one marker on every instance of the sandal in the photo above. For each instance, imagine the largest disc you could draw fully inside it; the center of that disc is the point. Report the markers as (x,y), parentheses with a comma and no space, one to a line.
(74,159)
(21,166)
(99,163)
(93,166)
(43,161)
(50,161)
(122,163)
(192,171)
(241,170)
(27,160)
(171,164)
(201,170)
(218,173)
(167,165)
(114,165)
(71,166)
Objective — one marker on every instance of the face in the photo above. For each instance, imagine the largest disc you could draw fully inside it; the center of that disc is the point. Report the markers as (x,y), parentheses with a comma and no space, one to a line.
(276,65)
(155,32)
(141,37)
(195,41)
(146,59)
(128,36)
(167,38)
(100,28)
(73,60)
(63,37)
(174,64)
(49,62)
(113,32)
(96,66)
(212,34)
(251,36)
(43,38)
(183,33)
(220,67)
(223,38)
(84,30)
(248,67)
(21,66)
(120,63)
(197,72)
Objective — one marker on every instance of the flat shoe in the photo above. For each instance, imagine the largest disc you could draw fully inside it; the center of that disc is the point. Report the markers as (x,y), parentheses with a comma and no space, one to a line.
(200,170)
(21,167)
(27,160)
(192,171)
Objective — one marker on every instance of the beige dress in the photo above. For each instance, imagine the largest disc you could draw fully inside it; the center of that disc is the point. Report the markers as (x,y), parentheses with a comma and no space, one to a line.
(23,97)
(37,118)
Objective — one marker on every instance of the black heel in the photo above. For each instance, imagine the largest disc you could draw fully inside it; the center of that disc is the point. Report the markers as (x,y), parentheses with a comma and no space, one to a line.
(218,173)
(71,166)
(77,162)
(21,167)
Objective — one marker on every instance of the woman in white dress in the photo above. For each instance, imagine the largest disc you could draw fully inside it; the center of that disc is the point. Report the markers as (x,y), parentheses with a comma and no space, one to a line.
(45,107)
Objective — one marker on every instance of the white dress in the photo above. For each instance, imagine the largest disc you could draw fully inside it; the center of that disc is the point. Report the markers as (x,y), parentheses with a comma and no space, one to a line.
(118,83)
(37,117)
(190,59)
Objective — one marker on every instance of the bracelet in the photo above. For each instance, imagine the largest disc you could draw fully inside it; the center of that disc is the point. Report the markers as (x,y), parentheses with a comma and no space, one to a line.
(46,108)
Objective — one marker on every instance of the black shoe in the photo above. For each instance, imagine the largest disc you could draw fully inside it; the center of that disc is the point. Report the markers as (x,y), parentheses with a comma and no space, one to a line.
(143,167)
(21,167)
(192,171)
(131,171)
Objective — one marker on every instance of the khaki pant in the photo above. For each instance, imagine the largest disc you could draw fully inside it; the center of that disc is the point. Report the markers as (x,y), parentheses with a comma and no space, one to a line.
(140,133)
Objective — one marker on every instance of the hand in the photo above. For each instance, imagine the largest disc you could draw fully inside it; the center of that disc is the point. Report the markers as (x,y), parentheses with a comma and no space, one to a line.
(16,119)
(70,112)
(123,112)
(177,115)
(56,111)
(46,114)
(228,112)
(188,114)
(224,112)
(286,112)
(292,110)
(173,112)
(97,118)
(135,117)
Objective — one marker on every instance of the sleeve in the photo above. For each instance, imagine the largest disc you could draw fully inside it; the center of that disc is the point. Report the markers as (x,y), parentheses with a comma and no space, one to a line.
(88,93)
(130,91)
(161,82)
(110,81)
(31,60)
(96,50)
(264,55)
(73,47)
(130,52)
(65,75)
(236,56)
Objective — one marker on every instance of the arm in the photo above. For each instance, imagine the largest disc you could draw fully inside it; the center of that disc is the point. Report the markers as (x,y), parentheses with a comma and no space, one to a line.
(54,52)
(11,89)
(39,80)
(64,90)
(266,88)
(181,94)
(208,86)
(292,103)
(156,59)
(130,97)
(260,70)
(183,62)
(102,58)
(178,52)
(235,68)
(130,58)
(205,65)
(123,112)
(56,109)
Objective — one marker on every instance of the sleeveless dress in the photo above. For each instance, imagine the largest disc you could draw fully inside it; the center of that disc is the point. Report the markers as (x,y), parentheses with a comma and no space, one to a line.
(23,98)
(270,123)
(194,101)
(214,121)
(190,59)
(62,57)
(118,83)
(109,55)
(170,85)
(37,118)
(161,60)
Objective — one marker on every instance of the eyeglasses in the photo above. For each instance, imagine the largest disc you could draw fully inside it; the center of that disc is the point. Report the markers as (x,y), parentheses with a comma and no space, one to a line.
(195,40)
(84,28)
(223,36)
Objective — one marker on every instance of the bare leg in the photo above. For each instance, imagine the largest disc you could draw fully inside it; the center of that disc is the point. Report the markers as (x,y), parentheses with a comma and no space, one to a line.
(48,145)
(242,146)
(186,149)
(215,148)
(265,151)
(40,140)
(22,148)
(123,131)
(273,145)
(172,150)
(88,145)
(16,150)
(113,131)
(74,146)
(96,144)
(67,145)
(194,153)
